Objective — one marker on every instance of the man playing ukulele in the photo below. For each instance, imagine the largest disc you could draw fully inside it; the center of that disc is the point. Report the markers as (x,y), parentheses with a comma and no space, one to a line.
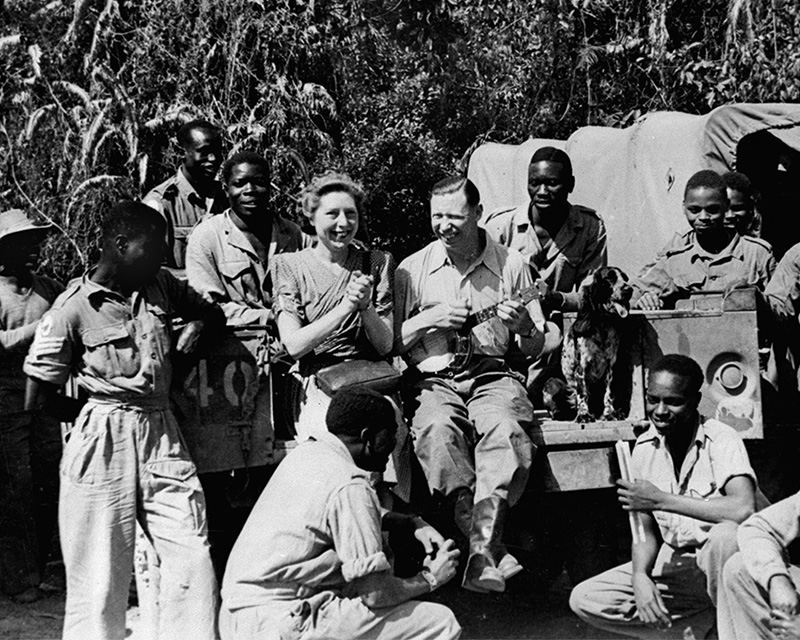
(468,421)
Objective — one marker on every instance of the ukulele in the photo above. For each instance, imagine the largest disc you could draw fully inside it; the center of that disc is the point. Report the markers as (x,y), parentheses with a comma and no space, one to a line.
(446,352)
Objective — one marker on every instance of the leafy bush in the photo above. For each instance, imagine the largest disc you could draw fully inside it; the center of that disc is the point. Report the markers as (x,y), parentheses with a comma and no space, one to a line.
(396,93)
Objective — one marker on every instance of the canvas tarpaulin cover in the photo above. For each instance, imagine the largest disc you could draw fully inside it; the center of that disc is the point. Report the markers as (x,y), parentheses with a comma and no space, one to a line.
(634,177)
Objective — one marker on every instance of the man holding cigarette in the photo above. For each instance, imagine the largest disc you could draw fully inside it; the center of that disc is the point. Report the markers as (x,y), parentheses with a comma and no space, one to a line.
(693,486)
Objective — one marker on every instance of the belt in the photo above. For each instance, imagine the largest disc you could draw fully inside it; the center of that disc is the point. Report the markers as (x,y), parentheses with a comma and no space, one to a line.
(132,401)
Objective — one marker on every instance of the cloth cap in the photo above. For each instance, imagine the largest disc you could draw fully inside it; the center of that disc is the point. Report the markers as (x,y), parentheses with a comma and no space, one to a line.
(15,221)
(356,408)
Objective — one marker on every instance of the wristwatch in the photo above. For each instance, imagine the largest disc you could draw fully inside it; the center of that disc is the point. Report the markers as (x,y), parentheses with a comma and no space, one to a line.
(429,578)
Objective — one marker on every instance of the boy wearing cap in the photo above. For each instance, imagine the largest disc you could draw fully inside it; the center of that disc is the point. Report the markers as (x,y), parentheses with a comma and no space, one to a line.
(30,443)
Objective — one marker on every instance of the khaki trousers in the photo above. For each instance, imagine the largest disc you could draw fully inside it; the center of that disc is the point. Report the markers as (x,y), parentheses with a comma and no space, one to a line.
(471,434)
(688,580)
(121,464)
(326,616)
(743,605)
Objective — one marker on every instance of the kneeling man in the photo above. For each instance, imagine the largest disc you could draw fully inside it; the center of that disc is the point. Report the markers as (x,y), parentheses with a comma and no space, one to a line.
(759,596)
(694,484)
(309,562)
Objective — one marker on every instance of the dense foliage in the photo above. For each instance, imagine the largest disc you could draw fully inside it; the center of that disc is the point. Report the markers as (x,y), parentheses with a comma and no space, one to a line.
(394,92)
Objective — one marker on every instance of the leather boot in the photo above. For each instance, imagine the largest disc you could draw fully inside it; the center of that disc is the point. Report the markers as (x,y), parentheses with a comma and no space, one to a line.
(485,546)
(461,503)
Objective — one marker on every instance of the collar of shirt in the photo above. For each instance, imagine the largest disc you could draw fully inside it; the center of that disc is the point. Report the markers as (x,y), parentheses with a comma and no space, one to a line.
(281,235)
(189,192)
(659,442)
(332,441)
(488,257)
(569,230)
(730,252)
(98,291)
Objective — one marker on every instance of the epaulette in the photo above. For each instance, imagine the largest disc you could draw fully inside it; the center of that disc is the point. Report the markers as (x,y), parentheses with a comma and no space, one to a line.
(758,241)
(71,289)
(676,250)
(171,192)
(496,213)
(586,210)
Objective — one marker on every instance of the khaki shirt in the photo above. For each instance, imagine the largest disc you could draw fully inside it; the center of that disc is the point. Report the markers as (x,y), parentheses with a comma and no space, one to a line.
(327,534)
(222,264)
(717,455)
(116,347)
(691,268)
(783,290)
(428,278)
(577,251)
(19,315)
(765,536)
(177,200)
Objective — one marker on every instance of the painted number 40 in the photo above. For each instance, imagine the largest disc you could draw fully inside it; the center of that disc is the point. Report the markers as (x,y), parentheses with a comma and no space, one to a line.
(236,378)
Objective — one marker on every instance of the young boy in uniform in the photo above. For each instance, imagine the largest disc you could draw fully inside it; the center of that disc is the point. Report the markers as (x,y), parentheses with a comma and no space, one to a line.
(125,458)
(30,443)
(716,259)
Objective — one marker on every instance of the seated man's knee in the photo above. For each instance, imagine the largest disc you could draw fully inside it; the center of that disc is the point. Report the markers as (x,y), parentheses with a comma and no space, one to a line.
(447,627)
(734,571)
(505,430)
(580,597)
(722,537)
(432,433)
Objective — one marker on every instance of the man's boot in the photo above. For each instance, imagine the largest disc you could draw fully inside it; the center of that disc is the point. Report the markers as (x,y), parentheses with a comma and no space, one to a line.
(485,547)
(461,503)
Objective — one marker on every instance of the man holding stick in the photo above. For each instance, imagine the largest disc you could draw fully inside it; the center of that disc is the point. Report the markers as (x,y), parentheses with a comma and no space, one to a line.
(694,484)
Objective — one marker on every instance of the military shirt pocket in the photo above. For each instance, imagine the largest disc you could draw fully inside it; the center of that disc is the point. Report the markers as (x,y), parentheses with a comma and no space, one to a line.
(111,351)
(232,270)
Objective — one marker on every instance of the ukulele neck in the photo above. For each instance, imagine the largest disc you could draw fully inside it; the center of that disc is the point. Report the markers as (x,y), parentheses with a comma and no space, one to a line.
(479,317)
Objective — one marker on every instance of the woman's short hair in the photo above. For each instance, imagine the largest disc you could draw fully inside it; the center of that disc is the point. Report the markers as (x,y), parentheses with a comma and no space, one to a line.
(330,182)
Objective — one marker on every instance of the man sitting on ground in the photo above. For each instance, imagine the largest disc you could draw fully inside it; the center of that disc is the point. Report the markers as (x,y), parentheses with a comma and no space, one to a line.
(193,192)
(758,598)
(309,563)
(716,260)
(694,483)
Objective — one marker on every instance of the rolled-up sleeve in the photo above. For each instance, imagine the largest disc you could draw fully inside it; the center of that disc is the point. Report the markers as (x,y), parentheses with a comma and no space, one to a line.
(50,356)
(763,539)
(730,459)
(354,520)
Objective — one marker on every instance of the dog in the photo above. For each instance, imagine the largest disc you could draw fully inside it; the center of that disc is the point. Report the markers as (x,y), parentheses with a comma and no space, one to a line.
(590,348)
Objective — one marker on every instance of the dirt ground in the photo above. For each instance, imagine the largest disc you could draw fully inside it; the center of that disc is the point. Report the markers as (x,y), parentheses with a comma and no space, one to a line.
(520,613)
